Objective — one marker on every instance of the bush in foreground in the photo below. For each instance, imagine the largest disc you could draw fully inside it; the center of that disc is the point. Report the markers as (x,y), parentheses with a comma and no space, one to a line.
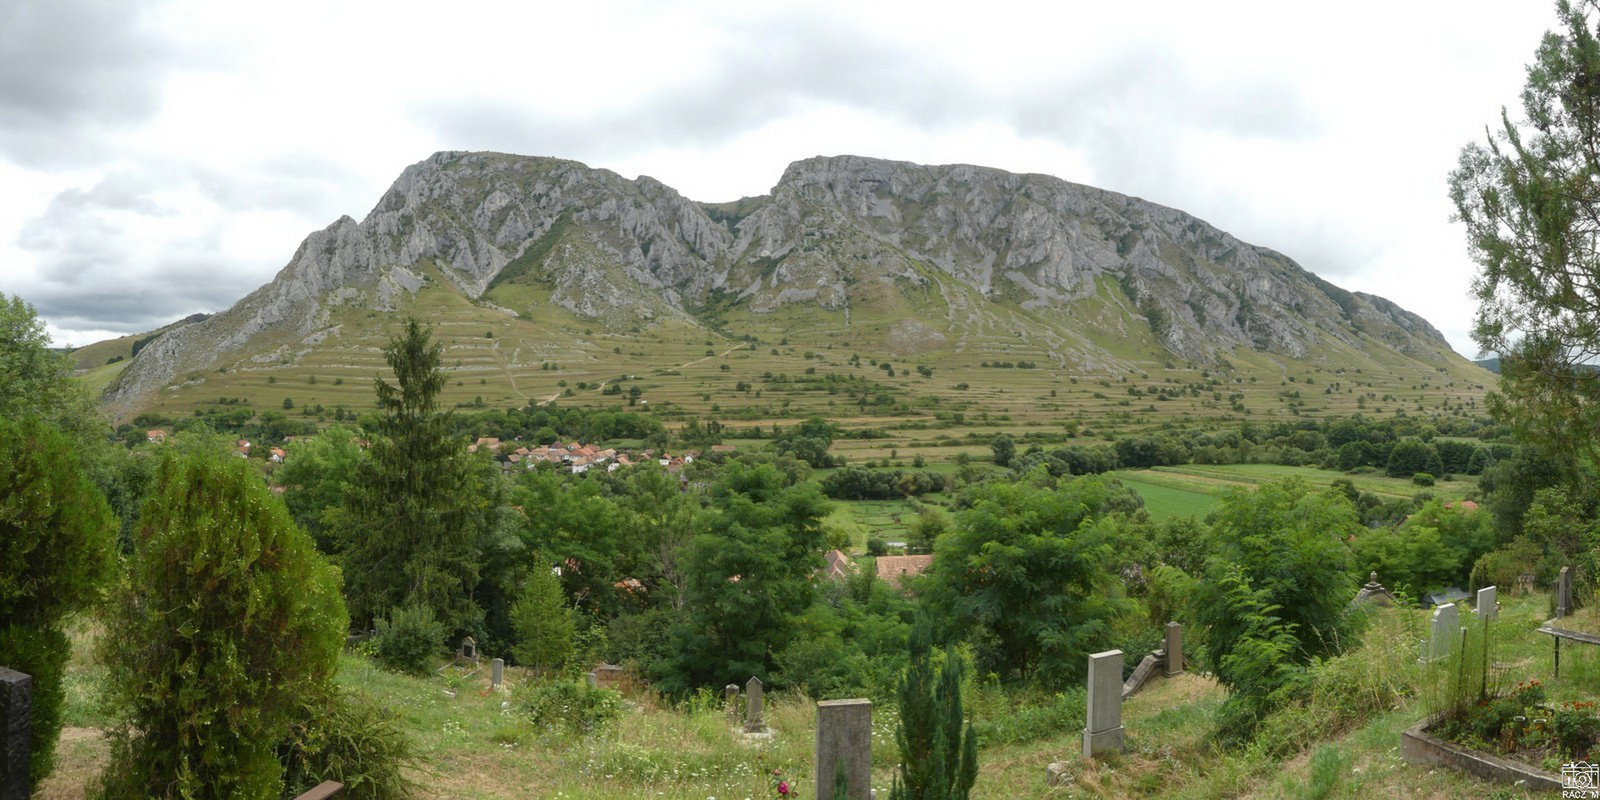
(226,619)
(56,551)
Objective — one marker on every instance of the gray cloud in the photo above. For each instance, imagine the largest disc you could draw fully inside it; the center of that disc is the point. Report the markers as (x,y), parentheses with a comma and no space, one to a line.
(91,273)
(71,68)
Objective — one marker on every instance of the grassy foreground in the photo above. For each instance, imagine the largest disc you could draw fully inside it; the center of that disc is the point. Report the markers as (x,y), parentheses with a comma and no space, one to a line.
(1342,743)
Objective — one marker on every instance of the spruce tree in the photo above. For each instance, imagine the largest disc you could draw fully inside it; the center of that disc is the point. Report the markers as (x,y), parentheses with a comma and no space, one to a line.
(936,761)
(408,532)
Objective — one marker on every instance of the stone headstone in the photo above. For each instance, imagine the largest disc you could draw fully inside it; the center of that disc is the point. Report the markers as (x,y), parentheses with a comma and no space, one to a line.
(1373,592)
(468,654)
(1488,603)
(752,707)
(1564,592)
(16,733)
(1174,663)
(1525,582)
(497,673)
(594,682)
(1103,731)
(730,697)
(844,736)
(1442,632)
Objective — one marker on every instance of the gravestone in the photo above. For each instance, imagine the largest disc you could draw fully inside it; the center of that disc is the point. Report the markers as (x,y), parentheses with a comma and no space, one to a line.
(1373,592)
(1442,633)
(752,707)
(468,654)
(730,696)
(844,736)
(1103,731)
(1174,649)
(1525,582)
(1488,603)
(594,683)
(1564,592)
(497,673)
(16,733)
(608,676)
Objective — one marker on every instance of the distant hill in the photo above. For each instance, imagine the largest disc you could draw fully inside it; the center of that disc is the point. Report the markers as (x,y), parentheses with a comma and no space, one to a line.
(110,351)
(542,274)
(1491,364)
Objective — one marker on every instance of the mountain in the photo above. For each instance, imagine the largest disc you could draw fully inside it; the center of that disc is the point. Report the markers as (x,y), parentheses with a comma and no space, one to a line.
(938,264)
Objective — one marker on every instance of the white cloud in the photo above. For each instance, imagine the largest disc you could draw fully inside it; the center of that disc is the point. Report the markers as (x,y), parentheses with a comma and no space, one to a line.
(196,143)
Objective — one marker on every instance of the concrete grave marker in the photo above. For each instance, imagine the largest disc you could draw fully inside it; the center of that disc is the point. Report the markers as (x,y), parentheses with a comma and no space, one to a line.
(1442,632)
(844,736)
(752,707)
(1564,592)
(468,654)
(730,696)
(1174,649)
(1103,732)
(1488,603)
(497,673)
(16,733)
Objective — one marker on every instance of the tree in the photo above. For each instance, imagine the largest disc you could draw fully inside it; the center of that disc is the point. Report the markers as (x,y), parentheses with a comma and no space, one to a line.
(541,622)
(809,441)
(407,532)
(1530,200)
(316,477)
(750,567)
(37,380)
(226,618)
(57,550)
(1027,566)
(1278,552)
(936,761)
(1004,448)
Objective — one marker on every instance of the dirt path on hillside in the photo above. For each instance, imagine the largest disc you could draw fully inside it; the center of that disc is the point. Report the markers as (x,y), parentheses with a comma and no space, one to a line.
(505,366)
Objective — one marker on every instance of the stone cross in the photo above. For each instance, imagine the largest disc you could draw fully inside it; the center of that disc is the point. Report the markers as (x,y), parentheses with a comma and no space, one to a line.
(1446,622)
(1174,649)
(1103,731)
(497,673)
(1487,604)
(752,706)
(844,737)
(1564,592)
(730,696)
(16,733)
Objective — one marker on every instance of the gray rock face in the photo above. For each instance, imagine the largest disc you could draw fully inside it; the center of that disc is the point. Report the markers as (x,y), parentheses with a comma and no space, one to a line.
(845,234)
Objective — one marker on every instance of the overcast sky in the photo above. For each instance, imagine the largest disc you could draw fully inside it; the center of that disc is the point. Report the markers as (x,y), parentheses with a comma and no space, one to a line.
(159,159)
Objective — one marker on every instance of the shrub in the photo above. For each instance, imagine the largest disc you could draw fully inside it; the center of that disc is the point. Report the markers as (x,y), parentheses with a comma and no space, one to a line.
(56,551)
(226,618)
(409,640)
(350,740)
(1422,479)
(1575,729)
(571,706)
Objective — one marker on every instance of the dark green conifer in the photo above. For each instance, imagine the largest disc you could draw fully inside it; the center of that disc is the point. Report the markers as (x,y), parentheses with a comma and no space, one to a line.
(936,761)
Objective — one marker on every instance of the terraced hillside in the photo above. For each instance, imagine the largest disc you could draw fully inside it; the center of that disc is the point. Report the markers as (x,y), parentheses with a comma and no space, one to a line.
(881,294)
